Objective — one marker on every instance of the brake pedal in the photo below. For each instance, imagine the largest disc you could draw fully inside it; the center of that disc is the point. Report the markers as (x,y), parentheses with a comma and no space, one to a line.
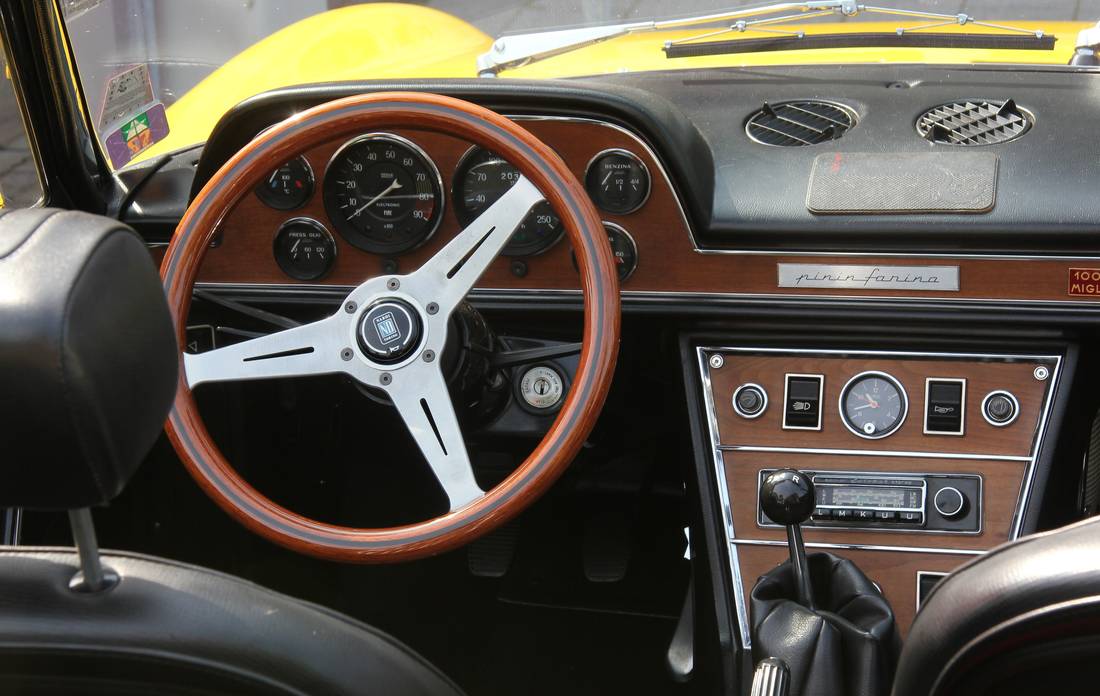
(491,555)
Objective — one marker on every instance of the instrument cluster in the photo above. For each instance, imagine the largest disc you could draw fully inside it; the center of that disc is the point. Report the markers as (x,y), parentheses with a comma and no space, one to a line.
(384,194)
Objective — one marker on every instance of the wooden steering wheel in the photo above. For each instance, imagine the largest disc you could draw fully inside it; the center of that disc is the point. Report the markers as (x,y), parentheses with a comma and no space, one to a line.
(351,340)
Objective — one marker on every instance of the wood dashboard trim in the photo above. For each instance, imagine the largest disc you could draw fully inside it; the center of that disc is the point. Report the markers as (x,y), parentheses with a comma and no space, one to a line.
(742,582)
(663,232)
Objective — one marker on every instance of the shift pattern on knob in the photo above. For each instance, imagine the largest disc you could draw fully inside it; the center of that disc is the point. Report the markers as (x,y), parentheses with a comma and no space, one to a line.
(787,496)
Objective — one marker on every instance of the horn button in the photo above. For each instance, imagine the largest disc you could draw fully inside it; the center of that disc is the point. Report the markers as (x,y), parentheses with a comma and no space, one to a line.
(389,331)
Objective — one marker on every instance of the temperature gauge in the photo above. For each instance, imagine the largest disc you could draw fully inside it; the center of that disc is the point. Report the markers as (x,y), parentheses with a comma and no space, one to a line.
(288,187)
(304,249)
(617,181)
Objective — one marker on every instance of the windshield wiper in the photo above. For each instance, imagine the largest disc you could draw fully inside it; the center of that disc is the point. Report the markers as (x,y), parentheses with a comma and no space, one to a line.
(521,49)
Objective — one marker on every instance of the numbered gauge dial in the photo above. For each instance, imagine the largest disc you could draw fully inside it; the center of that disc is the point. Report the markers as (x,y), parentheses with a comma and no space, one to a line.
(624,251)
(288,187)
(617,181)
(480,180)
(383,194)
(304,249)
(873,405)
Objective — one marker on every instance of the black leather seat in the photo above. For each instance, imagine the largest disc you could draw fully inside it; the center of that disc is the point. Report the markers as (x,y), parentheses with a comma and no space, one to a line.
(1023,619)
(88,368)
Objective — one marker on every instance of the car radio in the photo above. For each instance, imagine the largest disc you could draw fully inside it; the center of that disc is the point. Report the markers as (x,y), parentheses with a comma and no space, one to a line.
(914,502)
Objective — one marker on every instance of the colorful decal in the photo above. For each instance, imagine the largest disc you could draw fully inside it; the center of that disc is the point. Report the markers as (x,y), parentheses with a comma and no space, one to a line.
(137,135)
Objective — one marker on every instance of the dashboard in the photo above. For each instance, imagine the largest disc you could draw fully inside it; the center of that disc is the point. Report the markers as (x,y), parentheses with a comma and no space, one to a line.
(900,318)
(345,210)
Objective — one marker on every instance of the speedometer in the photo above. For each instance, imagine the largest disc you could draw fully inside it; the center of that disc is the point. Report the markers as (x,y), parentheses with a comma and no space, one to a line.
(383,194)
(483,177)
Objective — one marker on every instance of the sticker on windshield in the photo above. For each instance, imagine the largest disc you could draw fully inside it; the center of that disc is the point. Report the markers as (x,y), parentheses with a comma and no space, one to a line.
(137,135)
(128,93)
(131,120)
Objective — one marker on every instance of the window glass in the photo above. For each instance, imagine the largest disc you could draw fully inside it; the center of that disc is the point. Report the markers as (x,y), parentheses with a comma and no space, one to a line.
(20,186)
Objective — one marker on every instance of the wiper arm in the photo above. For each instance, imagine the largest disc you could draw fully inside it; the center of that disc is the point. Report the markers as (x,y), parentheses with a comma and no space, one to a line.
(521,49)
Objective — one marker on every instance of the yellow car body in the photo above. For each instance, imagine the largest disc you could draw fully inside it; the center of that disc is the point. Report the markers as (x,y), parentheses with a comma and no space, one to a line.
(396,40)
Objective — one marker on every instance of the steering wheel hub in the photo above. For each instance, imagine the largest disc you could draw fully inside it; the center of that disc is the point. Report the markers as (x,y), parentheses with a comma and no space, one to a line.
(389,330)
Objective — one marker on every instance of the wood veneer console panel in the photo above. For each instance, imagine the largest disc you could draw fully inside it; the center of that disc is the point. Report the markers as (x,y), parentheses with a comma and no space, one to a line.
(894,571)
(769,371)
(1001,483)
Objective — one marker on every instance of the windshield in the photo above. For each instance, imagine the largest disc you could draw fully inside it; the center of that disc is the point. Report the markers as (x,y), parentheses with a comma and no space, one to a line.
(158,74)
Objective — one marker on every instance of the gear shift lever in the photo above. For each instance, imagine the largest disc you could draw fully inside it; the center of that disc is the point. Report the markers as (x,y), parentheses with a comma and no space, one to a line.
(787,497)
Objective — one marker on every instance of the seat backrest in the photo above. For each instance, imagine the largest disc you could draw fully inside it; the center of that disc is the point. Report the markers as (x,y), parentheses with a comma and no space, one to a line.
(1024,618)
(88,357)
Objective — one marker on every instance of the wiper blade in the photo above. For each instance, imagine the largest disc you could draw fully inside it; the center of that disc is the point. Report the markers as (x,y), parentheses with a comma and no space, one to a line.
(861,40)
(521,49)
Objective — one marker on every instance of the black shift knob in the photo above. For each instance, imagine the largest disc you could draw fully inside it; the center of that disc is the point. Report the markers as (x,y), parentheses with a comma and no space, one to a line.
(787,497)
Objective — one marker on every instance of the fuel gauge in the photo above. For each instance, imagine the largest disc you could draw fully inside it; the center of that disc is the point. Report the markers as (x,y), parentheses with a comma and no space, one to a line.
(304,249)
(617,181)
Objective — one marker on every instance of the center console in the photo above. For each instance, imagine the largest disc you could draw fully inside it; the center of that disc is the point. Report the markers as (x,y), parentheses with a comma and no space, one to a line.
(919,460)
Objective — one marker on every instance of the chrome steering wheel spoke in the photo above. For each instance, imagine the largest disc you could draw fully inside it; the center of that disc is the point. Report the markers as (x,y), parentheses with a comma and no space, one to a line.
(448,277)
(318,348)
(420,395)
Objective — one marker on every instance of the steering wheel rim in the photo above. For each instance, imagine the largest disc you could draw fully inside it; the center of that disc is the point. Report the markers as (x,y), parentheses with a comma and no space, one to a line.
(549,175)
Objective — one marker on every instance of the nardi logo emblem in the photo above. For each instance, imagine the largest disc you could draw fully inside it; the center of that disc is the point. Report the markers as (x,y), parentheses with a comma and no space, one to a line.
(1084,282)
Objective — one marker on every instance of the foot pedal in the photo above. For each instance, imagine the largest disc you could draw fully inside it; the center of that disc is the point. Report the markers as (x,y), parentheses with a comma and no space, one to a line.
(607,545)
(491,555)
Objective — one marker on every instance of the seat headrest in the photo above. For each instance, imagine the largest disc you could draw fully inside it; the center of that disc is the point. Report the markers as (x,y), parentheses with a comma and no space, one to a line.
(88,357)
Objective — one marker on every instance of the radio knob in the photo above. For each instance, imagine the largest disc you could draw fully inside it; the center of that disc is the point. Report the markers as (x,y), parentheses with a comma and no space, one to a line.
(950,502)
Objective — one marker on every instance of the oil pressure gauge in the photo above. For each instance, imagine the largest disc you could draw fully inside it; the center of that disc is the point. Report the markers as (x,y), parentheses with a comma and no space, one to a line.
(304,249)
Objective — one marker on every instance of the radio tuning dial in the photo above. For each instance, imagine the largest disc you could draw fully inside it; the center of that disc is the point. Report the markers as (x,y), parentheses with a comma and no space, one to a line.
(949,502)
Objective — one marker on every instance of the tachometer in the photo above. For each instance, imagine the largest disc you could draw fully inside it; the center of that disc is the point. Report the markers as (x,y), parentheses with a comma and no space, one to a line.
(483,177)
(383,194)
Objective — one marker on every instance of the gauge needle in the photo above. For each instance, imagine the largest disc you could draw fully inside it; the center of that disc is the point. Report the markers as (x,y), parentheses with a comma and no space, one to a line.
(294,247)
(394,185)
(607,177)
(860,408)
(870,401)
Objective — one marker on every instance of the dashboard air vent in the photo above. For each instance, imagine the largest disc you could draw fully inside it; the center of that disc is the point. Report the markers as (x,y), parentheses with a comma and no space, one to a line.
(973,123)
(793,124)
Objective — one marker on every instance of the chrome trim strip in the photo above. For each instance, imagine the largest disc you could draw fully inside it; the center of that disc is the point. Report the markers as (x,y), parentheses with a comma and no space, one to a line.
(872,453)
(861,547)
(653,295)
(702,353)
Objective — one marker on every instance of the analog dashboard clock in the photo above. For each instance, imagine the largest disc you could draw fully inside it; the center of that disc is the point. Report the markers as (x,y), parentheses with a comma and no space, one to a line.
(873,405)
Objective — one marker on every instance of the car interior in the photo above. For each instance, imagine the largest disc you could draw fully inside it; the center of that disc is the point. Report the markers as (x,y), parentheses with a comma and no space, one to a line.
(742,351)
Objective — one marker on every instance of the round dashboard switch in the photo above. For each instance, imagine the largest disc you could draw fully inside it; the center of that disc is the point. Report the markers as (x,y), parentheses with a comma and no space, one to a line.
(750,400)
(1000,408)
(949,502)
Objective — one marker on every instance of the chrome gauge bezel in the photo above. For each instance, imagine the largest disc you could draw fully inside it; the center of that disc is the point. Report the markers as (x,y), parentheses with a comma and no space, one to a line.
(310,222)
(627,153)
(459,205)
(310,177)
(433,171)
(884,376)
